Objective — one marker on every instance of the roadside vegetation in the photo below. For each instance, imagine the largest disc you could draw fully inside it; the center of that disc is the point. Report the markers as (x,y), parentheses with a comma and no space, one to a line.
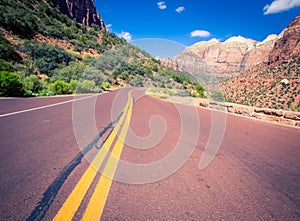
(43,52)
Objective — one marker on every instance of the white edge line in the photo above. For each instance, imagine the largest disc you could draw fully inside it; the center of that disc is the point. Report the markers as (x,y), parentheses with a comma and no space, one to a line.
(46,106)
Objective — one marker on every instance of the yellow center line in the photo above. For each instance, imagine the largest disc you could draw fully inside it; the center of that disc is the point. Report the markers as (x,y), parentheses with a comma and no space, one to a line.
(74,200)
(97,202)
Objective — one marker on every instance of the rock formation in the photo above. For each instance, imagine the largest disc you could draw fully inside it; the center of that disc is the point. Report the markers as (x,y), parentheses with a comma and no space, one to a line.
(288,46)
(222,59)
(237,54)
(84,11)
(259,54)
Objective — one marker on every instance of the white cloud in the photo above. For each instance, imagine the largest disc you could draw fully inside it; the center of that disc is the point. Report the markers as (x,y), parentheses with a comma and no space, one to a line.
(162,5)
(108,26)
(280,5)
(180,9)
(126,35)
(200,33)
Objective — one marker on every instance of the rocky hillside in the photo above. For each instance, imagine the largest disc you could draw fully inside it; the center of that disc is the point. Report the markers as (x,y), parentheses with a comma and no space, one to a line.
(271,86)
(50,47)
(275,84)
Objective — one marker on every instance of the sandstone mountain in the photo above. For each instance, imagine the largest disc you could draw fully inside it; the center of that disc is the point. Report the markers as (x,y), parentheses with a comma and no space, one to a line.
(84,11)
(222,59)
(276,83)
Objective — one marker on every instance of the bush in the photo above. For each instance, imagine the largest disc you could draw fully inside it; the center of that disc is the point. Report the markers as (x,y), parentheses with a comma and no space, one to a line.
(73,85)
(184,93)
(293,108)
(217,96)
(5,66)
(136,81)
(105,85)
(162,91)
(179,77)
(95,75)
(87,86)
(60,87)
(200,90)
(10,84)
(73,71)
(32,83)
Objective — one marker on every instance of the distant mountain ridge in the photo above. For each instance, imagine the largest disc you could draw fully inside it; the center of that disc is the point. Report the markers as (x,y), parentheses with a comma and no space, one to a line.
(237,54)
(223,59)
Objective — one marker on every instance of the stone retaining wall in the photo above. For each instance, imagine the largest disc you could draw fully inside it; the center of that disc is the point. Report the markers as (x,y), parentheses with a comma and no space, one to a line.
(279,116)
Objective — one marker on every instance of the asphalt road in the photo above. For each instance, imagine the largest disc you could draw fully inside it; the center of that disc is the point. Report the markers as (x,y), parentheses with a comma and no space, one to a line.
(48,170)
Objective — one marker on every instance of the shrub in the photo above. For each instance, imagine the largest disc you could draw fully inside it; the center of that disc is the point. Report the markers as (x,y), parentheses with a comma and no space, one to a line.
(217,96)
(60,87)
(73,71)
(162,91)
(32,83)
(93,74)
(105,85)
(5,66)
(73,85)
(10,84)
(179,77)
(136,81)
(87,86)
(200,90)
(293,108)
(184,93)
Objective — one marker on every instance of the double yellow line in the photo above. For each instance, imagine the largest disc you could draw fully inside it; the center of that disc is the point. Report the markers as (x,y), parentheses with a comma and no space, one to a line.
(96,204)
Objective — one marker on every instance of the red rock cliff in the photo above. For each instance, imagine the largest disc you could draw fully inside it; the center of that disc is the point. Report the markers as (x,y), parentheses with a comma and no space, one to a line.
(288,46)
(84,11)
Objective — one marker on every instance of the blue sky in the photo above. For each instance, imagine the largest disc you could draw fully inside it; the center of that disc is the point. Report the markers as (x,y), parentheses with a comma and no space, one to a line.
(189,21)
